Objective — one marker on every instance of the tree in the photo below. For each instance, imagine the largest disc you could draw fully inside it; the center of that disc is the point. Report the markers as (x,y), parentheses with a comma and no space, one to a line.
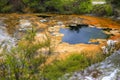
(116,3)
(34,5)
(5,6)
(17,5)
(82,6)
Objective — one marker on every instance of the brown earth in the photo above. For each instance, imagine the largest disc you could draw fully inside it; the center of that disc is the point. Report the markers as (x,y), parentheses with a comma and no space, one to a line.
(63,49)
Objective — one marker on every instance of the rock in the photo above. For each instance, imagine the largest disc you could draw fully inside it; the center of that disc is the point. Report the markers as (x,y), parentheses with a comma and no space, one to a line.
(112,76)
(115,32)
(43,20)
(111,43)
(25,29)
(97,41)
(88,78)
(73,25)
(40,37)
(54,29)
(59,23)
(106,29)
(105,50)
(106,70)
(25,25)
(92,26)
(118,18)
(2,23)
(57,34)
(6,41)
(51,29)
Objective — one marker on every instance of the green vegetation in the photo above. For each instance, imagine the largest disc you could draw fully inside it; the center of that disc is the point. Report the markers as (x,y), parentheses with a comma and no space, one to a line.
(23,62)
(72,63)
(4,7)
(83,6)
(58,68)
(116,3)
(102,9)
(59,6)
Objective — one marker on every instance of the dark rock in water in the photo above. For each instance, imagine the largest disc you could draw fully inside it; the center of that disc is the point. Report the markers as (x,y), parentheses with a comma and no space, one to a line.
(107,29)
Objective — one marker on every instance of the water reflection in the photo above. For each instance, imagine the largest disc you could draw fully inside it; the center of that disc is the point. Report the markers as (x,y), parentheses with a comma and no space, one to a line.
(74,35)
(77,28)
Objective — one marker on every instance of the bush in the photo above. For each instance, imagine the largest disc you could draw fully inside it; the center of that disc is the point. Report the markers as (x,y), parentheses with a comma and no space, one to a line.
(23,62)
(84,6)
(3,4)
(59,6)
(7,9)
(102,9)
(58,68)
(116,3)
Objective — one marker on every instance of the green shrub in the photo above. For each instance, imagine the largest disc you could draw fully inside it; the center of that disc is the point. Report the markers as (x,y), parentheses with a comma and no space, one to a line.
(7,8)
(102,9)
(69,6)
(59,6)
(23,61)
(58,68)
(116,3)
(83,7)
(3,5)
(108,9)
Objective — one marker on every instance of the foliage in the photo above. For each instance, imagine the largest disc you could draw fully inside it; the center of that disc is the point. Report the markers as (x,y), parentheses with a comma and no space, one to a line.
(74,62)
(23,62)
(82,6)
(31,6)
(60,6)
(102,9)
(59,67)
(3,6)
(6,8)
(114,2)
(108,10)
(116,6)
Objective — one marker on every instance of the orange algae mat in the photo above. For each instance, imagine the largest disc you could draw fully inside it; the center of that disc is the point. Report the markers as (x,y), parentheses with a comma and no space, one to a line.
(100,22)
